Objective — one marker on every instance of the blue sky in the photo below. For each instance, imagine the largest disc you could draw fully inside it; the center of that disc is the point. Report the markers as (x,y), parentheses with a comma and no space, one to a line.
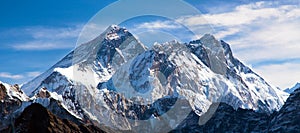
(263,34)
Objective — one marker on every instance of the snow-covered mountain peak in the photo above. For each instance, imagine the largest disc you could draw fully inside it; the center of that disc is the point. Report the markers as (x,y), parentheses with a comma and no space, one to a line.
(211,52)
(114,32)
(114,26)
(12,91)
(291,90)
(210,42)
(106,75)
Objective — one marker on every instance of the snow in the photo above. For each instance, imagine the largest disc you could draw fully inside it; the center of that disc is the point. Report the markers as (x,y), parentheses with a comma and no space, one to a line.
(53,95)
(112,36)
(259,90)
(120,53)
(68,72)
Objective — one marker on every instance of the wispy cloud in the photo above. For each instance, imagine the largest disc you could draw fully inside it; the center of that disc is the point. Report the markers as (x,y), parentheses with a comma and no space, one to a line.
(18,78)
(44,45)
(276,41)
(151,31)
(33,74)
(282,75)
(158,25)
(54,33)
(227,32)
(10,76)
(43,38)
(244,14)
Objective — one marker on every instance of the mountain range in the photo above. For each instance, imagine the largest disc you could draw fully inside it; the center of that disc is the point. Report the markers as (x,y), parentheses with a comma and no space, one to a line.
(115,83)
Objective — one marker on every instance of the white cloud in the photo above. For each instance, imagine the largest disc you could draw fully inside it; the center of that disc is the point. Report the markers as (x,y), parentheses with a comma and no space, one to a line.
(282,75)
(33,74)
(277,41)
(54,32)
(44,38)
(225,33)
(18,78)
(158,25)
(43,45)
(10,76)
(243,14)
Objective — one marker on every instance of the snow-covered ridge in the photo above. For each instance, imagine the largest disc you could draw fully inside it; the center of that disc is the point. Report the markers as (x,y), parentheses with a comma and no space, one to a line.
(13,91)
(291,90)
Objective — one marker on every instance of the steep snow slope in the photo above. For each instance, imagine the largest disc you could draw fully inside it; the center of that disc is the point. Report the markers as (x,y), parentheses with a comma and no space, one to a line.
(114,79)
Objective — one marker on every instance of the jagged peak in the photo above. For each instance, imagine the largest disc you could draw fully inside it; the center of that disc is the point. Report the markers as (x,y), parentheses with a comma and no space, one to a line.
(208,36)
(209,41)
(204,37)
(112,28)
(292,89)
(114,32)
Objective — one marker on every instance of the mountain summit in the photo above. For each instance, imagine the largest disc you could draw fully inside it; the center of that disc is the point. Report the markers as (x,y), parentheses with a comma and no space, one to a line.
(116,81)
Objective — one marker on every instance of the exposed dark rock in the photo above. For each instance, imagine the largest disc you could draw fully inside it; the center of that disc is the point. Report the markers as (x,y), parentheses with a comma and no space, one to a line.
(37,119)
(7,107)
(2,92)
(227,119)
(288,117)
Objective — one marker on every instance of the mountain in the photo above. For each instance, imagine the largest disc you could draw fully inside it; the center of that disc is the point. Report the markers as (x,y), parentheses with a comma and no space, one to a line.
(249,85)
(291,90)
(287,118)
(11,98)
(117,81)
(36,118)
(227,119)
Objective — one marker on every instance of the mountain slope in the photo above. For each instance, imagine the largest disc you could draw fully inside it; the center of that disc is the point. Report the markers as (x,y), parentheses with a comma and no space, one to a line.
(116,81)
(36,118)
(227,119)
(287,119)
(291,90)
(219,58)
(11,98)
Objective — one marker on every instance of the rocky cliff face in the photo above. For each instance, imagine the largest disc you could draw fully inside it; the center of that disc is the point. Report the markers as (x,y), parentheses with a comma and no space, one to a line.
(11,98)
(287,118)
(37,119)
(227,119)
